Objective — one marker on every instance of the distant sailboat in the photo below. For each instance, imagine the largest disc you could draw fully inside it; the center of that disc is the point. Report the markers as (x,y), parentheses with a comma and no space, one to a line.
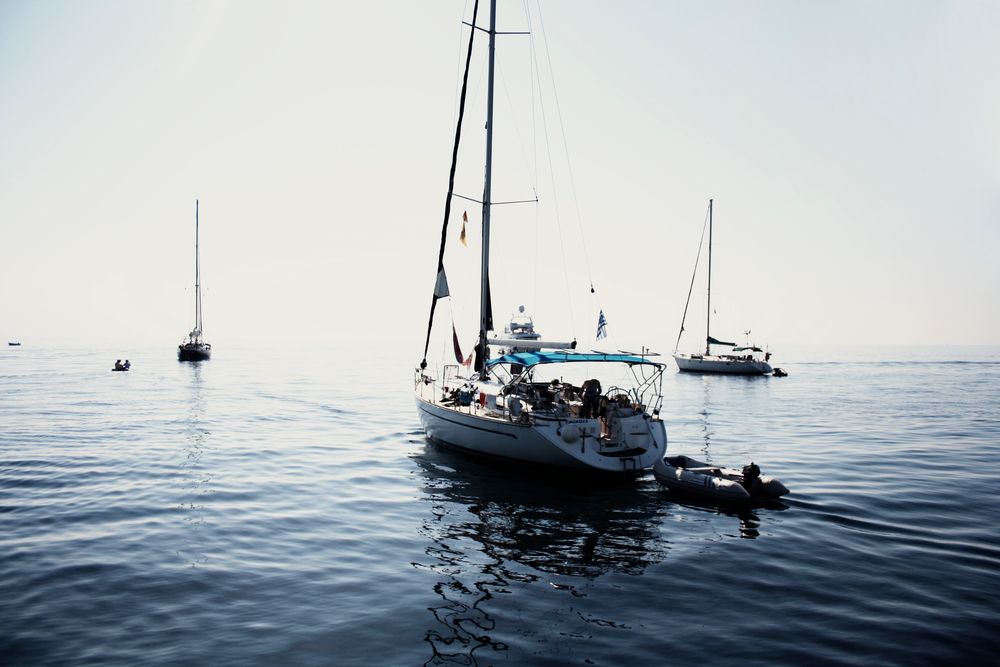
(743,361)
(193,348)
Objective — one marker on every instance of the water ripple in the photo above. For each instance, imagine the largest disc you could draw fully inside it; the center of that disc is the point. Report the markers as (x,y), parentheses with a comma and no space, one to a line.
(250,511)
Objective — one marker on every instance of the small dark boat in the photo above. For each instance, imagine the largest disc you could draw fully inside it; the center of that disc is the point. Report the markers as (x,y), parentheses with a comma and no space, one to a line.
(779,373)
(193,348)
(687,475)
(14,344)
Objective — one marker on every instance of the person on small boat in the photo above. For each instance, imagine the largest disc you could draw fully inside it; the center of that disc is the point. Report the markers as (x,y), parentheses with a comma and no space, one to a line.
(127,365)
(591,398)
(118,365)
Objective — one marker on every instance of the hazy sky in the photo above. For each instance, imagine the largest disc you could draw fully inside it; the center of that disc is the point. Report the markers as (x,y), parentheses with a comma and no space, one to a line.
(852,148)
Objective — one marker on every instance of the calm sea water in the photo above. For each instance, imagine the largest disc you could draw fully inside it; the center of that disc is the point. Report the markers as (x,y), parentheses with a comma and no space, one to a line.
(252,511)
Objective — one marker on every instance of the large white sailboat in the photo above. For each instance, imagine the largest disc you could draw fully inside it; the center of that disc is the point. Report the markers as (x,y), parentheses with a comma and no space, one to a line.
(742,360)
(193,348)
(537,402)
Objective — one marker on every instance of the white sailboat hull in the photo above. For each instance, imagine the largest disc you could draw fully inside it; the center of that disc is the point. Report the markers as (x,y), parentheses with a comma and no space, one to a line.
(563,443)
(714,364)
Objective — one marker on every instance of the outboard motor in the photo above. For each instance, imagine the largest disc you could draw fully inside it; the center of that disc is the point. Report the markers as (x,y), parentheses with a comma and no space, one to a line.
(751,479)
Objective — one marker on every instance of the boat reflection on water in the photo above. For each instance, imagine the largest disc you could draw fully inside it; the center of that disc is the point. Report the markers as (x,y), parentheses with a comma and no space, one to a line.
(748,515)
(197,474)
(574,528)
(491,530)
(706,431)
(495,535)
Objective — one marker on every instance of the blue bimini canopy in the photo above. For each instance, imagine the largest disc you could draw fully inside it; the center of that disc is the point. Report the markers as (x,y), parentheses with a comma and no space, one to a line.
(536,358)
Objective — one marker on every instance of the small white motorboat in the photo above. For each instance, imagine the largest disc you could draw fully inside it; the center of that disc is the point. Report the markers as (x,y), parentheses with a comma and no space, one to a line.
(688,475)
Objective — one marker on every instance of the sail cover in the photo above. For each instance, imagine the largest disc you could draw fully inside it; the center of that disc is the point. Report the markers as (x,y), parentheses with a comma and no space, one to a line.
(716,341)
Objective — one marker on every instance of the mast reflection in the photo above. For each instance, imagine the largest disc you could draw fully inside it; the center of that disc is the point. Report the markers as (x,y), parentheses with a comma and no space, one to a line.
(197,475)
(705,430)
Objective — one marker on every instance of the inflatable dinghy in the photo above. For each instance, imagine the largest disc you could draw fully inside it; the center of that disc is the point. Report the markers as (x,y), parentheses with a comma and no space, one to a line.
(687,475)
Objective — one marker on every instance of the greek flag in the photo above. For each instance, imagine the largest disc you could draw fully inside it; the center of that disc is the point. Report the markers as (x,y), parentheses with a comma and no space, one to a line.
(602,326)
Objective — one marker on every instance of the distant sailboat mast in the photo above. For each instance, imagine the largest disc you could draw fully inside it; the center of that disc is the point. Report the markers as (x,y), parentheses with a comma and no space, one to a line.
(197,275)
(708,321)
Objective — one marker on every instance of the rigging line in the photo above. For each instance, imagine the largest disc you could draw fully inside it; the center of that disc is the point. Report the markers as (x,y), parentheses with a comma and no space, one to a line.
(497,203)
(497,32)
(517,129)
(451,187)
(519,201)
(534,263)
(555,199)
(533,79)
(474,201)
(569,164)
(691,287)
(555,206)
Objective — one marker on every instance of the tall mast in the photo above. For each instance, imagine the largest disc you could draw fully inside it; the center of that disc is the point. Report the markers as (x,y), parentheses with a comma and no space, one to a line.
(484,295)
(708,321)
(197,274)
